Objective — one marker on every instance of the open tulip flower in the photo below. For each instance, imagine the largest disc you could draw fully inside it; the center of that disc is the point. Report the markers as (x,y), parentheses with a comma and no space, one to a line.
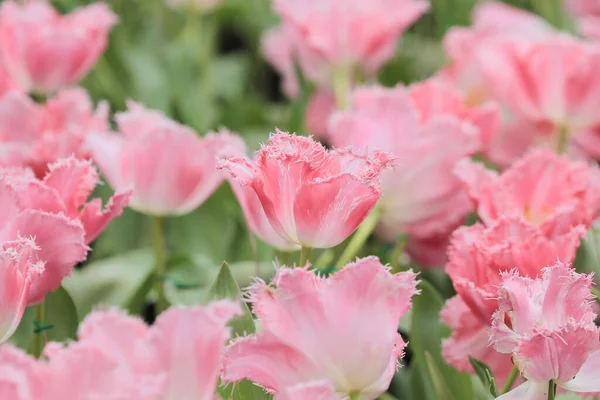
(547,324)
(308,324)
(35,135)
(45,51)
(312,196)
(170,170)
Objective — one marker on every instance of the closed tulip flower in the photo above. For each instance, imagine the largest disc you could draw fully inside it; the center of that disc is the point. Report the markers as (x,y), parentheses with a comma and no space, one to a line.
(45,51)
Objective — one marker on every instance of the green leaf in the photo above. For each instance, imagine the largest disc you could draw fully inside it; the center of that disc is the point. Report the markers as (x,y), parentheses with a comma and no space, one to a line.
(62,314)
(226,287)
(22,336)
(426,336)
(122,281)
(485,376)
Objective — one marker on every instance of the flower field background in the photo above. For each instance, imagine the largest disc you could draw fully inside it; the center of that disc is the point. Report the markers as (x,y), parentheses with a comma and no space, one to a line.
(299,199)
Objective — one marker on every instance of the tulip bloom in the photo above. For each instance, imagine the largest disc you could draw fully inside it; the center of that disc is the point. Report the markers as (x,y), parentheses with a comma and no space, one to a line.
(349,33)
(313,197)
(547,191)
(314,328)
(170,170)
(547,325)
(428,130)
(45,51)
(18,268)
(178,357)
(34,135)
(471,338)
(56,213)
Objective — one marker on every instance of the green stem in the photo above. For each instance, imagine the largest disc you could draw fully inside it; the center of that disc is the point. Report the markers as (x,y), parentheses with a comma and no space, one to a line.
(354,395)
(284,257)
(342,86)
(304,255)
(359,238)
(397,254)
(551,390)
(325,259)
(38,338)
(160,266)
(511,380)
(562,138)
(596,293)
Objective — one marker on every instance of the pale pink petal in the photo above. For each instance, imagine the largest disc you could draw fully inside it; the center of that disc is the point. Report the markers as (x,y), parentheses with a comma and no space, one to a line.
(73,180)
(313,391)
(105,149)
(190,343)
(20,375)
(95,218)
(529,390)
(587,379)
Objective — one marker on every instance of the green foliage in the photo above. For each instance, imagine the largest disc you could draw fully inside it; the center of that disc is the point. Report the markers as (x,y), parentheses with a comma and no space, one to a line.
(438,380)
(485,375)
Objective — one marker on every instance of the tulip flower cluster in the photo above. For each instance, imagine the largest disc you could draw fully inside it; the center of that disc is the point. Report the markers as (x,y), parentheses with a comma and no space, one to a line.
(427,240)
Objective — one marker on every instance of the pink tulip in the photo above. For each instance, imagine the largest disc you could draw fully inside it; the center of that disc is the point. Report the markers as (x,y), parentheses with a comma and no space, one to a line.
(178,357)
(569,103)
(7,83)
(170,170)
(255,215)
(35,135)
(45,51)
(429,131)
(314,328)
(19,268)
(21,376)
(319,110)
(350,33)
(492,20)
(547,325)
(471,338)
(548,191)
(285,51)
(477,255)
(54,211)
(312,391)
(312,197)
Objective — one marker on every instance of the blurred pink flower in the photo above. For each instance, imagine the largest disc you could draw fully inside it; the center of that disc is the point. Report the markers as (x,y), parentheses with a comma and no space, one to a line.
(21,377)
(492,20)
(314,328)
(178,357)
(588,13)
(45,51)
(552,80)
(35,135)
(471,338)
(7,84)
(56,213)
(548,191)
(18,269)
(313,391)
(429,252)
(350,33)
(169,168)
(312,197)
(319,110)
(428,131)
(547,325)
(478,255)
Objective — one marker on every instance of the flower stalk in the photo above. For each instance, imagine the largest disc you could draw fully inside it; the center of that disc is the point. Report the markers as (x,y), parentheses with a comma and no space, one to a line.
(160,266)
